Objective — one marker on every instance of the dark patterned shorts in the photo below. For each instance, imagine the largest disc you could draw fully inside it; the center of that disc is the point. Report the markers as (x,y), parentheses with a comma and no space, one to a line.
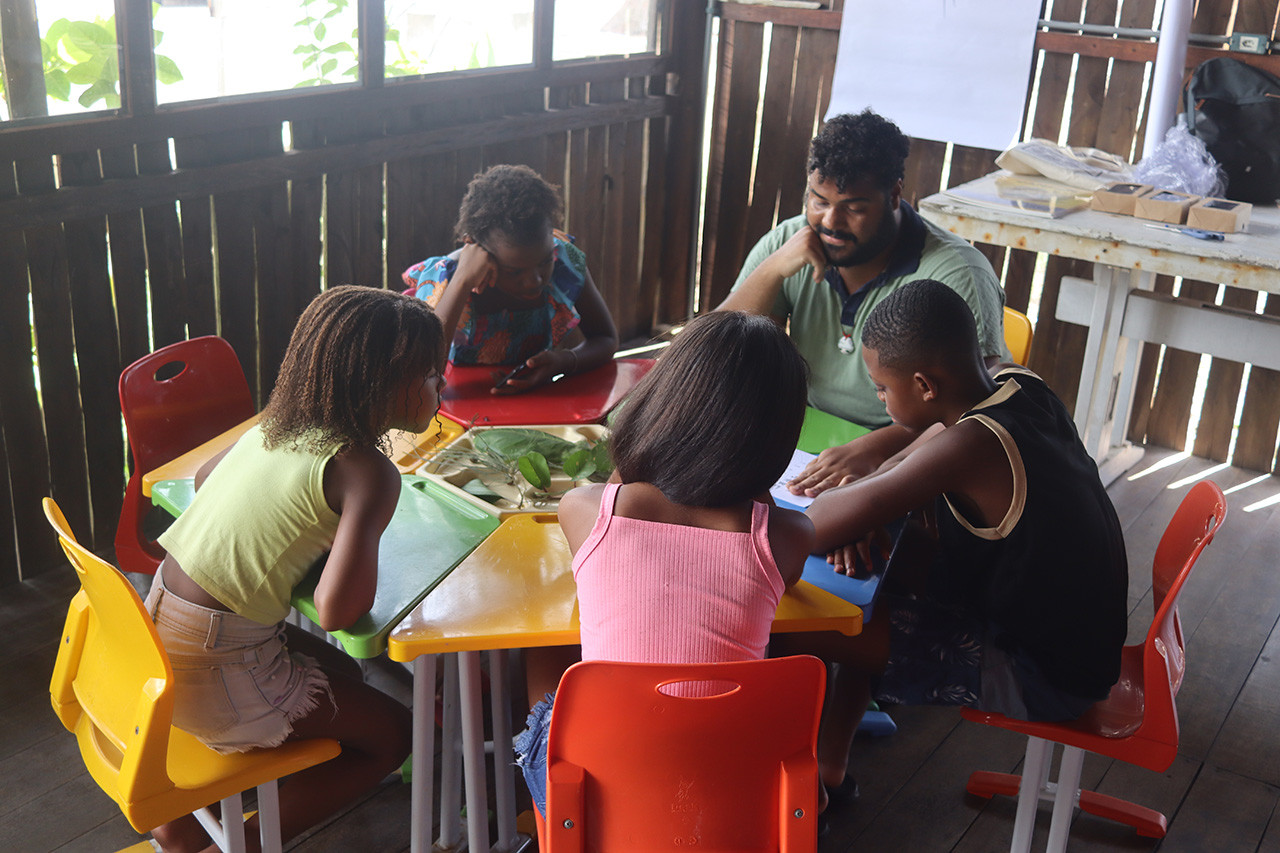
(935,654)
(940,655)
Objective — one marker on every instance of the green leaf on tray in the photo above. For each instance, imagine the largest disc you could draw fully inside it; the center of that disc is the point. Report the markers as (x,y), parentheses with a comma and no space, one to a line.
(514,443)
(479,489)
(580,464)
(534,468)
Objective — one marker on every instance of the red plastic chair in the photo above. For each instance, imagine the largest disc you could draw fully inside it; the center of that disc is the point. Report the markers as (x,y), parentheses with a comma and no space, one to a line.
(174,399)
(630,767)
(1138,722)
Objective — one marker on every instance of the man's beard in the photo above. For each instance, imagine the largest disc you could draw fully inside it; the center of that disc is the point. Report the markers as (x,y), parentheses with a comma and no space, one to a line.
(861,252)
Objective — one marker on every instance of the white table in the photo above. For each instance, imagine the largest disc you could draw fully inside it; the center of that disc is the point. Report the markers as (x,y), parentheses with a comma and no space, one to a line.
(1119,306)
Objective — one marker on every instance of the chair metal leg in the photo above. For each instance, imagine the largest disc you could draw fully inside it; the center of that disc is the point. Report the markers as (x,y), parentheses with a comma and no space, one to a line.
(228,833)
(1065,798)
(1035,772)
(269,817)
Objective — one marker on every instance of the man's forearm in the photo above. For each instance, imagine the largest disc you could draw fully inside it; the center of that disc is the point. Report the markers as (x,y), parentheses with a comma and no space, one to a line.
(756,295)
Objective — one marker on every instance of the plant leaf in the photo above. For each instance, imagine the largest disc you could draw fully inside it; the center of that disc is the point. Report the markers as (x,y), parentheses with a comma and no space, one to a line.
(514,442)
(579,465)
(56,85)
(167,70)
(534,468)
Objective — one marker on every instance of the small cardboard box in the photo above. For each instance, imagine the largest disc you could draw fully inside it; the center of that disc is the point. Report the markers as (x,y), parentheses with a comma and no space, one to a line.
(1219,214)
(1118,198)
(1164,206)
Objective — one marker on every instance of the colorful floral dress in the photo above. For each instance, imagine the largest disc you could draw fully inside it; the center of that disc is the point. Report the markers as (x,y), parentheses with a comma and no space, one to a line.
(507,336)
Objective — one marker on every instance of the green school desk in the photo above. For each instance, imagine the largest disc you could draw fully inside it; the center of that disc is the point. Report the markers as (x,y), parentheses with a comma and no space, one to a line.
(432,531)
(822,430)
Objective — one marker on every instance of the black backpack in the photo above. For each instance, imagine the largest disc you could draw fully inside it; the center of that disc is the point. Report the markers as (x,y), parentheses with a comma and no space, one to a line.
(1234,109)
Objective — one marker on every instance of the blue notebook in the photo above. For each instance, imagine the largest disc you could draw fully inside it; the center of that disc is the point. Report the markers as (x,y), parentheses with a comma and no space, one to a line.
(859,591)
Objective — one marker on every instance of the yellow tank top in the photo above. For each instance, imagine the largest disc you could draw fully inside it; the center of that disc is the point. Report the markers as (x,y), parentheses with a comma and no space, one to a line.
(256,527)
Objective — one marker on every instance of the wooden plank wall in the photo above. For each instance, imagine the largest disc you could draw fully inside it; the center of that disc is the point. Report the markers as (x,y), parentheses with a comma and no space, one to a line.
(1088,90)
(113,249)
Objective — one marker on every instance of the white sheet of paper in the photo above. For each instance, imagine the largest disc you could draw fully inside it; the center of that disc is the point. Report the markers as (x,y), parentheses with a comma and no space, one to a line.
(799,459)
(950,70)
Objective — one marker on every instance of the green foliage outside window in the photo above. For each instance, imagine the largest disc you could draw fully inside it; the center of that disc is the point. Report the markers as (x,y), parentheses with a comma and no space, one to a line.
(85,54)
(328,58)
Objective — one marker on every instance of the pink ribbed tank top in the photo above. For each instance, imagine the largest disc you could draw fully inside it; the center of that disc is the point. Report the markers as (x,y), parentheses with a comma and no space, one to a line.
(651,592)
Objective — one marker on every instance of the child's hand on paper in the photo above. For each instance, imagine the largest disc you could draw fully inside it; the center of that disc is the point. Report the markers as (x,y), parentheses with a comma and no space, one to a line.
(833,467)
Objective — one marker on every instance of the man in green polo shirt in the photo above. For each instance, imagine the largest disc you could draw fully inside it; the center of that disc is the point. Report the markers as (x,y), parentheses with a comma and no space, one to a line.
(825,270)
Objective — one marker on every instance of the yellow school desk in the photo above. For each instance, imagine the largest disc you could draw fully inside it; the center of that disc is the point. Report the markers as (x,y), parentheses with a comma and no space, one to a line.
(1119,305)
(516,590)
(407,451)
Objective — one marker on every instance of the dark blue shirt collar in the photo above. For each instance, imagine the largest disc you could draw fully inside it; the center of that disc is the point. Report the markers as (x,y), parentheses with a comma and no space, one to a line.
(904,260)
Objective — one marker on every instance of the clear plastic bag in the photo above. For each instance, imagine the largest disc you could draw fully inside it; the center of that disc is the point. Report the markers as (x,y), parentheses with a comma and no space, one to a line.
(1182,163)
(1083,168)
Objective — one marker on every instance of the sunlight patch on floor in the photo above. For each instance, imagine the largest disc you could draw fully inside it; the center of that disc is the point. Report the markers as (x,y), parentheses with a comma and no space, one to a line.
(1171,459)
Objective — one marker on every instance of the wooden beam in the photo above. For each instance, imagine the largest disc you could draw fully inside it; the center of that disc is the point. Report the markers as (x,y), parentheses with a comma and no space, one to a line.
(1132,50)
(63,136)
(27,211)
(822,19)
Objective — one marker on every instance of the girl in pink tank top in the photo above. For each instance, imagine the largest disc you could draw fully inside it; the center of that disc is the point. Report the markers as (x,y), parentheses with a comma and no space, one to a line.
(682,556)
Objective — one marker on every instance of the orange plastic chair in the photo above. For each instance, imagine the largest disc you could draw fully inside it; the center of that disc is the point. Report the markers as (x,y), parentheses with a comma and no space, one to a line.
(1138,722)
(112,686)
(631,767)
(1017,334)
(174,399)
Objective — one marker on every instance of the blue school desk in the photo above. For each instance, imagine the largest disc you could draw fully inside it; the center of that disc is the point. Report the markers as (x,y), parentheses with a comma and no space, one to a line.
(820,431)
(585,398)
(432,531)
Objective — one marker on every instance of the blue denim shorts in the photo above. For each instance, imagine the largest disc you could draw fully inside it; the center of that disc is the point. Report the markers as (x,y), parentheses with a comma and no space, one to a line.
(940,655)
(530,747)
(236,686)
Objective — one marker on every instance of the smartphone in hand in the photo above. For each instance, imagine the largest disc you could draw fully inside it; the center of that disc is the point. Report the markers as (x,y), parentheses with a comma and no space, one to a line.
(521,371)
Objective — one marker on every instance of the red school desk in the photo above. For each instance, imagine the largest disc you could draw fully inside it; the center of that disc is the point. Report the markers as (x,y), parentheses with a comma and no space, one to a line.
(581,399)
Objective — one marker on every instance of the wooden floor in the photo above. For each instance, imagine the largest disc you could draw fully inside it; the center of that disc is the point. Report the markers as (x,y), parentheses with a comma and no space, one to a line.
(1222,794)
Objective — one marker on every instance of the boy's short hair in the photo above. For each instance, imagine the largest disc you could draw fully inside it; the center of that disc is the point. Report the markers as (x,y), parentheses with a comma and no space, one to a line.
(923,323)
(717,419)
(851,147)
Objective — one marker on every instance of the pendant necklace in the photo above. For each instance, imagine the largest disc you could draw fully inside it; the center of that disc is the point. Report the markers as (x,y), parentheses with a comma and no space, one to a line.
(845,345)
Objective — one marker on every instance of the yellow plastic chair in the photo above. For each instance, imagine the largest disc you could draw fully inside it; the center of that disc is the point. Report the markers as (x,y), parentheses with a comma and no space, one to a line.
(112,686)
(1017,334)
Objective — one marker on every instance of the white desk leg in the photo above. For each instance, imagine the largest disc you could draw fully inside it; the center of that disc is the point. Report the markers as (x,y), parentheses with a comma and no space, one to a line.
(450,765)
(421,793)
(504,782)
(1092,348)
(473,762)
(1097,373)
(1106,386)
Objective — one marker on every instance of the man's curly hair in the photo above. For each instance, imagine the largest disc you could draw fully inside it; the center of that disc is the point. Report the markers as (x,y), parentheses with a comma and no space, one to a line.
(851,147)
(350,353)
(512,199)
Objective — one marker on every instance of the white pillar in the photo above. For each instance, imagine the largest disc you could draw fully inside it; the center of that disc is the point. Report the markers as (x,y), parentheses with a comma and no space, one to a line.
(1166,78)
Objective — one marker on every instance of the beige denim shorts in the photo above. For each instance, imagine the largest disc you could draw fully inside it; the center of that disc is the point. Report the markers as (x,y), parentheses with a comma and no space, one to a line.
(237,687)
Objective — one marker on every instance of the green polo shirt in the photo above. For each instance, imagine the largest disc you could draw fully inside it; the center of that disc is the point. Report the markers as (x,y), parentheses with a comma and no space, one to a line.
(820,313)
